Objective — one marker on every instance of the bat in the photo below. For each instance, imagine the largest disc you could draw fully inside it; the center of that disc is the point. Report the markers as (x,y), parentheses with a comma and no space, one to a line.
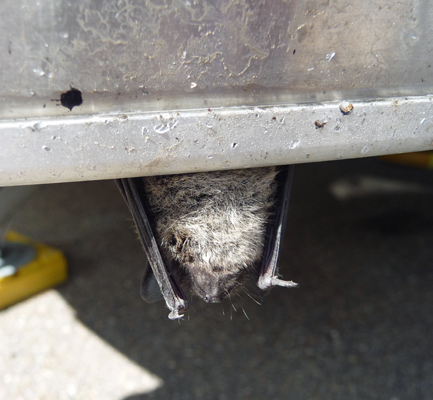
(209,232)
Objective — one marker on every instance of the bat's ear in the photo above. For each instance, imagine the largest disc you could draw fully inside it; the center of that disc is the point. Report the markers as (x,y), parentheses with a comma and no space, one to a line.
(149,290)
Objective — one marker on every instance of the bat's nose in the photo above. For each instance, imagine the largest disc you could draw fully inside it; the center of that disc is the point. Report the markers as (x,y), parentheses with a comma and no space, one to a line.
(212,288)
(212,299)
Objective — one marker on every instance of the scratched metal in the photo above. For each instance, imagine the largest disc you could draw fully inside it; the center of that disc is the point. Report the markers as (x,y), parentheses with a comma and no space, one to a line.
(106,146)
(136,60)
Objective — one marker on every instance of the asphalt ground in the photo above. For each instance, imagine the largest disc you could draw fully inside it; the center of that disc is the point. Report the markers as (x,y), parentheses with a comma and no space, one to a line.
(358,327)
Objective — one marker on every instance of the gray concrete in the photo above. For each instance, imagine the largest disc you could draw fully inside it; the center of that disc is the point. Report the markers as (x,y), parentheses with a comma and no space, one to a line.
(359,327)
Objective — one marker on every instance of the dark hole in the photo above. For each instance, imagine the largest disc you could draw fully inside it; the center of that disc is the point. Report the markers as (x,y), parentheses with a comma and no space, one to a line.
(201,197)
(172,240)
(71,98)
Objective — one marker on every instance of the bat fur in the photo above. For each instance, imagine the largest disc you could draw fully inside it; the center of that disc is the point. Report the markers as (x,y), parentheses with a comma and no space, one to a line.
(212,225)
(209,232)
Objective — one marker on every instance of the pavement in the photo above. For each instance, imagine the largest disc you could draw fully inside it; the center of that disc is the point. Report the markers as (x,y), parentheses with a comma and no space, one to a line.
(359,241)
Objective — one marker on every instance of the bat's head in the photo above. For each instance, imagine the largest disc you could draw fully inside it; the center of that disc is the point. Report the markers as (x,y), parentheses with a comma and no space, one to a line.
(210,232)
(211,229)
(215,262)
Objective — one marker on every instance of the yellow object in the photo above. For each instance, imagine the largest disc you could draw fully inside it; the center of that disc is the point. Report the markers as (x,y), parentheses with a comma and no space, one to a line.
(47,269)
(422,159)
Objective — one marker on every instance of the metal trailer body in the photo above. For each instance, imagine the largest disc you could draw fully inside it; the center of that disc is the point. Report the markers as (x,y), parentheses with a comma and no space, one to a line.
(171,86)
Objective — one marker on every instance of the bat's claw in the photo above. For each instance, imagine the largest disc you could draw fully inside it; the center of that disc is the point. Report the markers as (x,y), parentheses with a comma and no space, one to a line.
(279,282)
(174,314)
(266,283)
(178,312)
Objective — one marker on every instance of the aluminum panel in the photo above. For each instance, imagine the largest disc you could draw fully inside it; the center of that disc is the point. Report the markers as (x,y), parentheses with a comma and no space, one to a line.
(136,60)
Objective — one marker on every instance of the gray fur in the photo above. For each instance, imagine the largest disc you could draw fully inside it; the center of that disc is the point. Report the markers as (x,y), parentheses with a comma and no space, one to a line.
(212,224)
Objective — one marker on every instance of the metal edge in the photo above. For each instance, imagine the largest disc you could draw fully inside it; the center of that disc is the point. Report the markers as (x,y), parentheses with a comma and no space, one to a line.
(106,146)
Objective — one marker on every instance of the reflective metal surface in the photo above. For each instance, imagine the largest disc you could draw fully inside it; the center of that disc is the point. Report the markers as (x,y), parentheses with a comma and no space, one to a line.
(107,146)
(134,60)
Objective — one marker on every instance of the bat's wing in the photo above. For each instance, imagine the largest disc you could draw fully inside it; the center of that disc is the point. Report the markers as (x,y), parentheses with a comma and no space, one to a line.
(149,288)
(172,293)
(268,274)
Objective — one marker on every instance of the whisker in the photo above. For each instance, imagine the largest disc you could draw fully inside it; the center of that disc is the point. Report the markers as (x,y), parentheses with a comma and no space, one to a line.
(231,302)
(253,299)
(245,314)
(234,308)
(239,295)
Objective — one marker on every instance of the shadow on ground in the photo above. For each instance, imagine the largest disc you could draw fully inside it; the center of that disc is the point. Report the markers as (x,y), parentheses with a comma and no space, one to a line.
(359,326)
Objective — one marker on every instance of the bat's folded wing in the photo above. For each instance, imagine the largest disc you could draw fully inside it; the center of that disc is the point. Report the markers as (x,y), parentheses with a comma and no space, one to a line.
(268,275)
(149,289)
(170,290)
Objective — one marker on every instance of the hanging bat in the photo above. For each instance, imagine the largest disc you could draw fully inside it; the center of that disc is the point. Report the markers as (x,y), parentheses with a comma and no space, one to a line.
(209,232)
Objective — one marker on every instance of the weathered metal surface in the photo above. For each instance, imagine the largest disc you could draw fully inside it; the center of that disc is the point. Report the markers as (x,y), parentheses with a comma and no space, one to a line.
(134,144)
(136,60)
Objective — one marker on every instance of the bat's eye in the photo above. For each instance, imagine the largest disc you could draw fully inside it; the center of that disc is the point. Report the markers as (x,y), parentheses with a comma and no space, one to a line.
(172,240)
(175,240)
(201,197)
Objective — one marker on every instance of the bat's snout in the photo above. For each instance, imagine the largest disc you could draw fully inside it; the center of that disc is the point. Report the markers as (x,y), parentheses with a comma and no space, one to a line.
(211,287)
(210,293)
(212,299)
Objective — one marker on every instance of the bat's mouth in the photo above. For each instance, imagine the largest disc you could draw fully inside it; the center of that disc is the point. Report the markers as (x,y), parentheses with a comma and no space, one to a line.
(212,299)
(212,288)
(208,296)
